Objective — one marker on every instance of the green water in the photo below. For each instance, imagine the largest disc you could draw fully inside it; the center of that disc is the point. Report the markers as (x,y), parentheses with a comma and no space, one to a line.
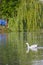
(13,48)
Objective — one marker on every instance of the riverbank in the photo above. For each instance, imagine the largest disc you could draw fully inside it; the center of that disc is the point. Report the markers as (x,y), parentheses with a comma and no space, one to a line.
(4,29)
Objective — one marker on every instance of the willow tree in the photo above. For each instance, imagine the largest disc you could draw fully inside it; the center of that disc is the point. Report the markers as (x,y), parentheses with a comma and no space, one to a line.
(23,14)
(33,14)
(30,11)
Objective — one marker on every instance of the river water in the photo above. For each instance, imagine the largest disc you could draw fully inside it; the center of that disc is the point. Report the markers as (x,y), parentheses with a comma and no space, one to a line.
(13,48)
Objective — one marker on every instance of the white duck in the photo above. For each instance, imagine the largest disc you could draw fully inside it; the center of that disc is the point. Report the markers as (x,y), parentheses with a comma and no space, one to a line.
(32,47)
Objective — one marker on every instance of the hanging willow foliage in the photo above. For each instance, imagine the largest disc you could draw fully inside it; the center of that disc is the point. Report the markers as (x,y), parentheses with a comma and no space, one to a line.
(31,11)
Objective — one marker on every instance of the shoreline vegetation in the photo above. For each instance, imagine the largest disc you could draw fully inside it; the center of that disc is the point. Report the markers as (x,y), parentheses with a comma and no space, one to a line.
(23,15)
(4,30)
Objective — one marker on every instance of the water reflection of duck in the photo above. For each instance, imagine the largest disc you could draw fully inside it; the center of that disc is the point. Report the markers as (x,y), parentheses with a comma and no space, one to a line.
(32,47)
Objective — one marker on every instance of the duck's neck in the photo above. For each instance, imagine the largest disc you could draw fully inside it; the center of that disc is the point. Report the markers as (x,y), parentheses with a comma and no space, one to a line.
(28,45)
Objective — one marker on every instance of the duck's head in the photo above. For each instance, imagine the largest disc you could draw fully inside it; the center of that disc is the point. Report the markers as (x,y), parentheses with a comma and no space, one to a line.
(27,44)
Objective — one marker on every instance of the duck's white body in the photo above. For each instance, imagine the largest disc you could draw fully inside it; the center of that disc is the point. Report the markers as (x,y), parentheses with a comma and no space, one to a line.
(32,47)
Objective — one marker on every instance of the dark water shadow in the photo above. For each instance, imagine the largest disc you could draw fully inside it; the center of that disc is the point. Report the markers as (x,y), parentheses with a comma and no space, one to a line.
(24,37)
